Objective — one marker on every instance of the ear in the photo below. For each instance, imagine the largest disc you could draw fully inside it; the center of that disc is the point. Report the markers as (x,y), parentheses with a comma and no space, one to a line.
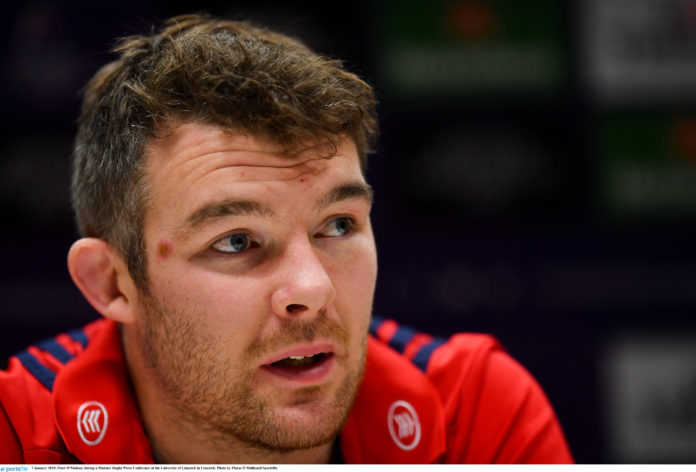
(102,276)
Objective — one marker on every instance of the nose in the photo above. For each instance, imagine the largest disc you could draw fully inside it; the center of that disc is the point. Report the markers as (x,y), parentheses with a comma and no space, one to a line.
(305,287)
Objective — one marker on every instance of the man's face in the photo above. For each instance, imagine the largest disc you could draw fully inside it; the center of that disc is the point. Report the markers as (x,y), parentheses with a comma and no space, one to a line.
(262,270)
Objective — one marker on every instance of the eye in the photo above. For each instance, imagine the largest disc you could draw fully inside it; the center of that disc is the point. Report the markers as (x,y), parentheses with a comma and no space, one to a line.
(338,227)
(234,243)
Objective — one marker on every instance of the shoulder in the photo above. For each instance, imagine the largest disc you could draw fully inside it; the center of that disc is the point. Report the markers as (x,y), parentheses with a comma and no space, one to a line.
(495,411)
(419,347)
(27,423)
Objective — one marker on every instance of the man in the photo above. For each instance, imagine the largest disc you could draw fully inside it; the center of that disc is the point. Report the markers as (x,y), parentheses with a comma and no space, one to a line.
(227,243)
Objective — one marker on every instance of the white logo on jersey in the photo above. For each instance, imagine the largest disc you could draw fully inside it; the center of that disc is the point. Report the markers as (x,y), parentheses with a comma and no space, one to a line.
(92,421)
(404,425)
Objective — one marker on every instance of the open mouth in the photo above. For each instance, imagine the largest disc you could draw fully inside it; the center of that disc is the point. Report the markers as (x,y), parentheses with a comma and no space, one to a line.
(300,362)
(302,368)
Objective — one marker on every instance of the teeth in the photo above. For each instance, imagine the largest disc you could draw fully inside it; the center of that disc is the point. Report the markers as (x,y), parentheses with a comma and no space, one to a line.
(297,362)
(297,358)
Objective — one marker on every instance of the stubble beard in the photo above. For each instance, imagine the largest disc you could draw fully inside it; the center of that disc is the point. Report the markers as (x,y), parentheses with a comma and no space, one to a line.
(224,404)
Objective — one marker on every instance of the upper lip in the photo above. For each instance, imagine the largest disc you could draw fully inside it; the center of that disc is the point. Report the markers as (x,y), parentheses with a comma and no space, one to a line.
(303,350)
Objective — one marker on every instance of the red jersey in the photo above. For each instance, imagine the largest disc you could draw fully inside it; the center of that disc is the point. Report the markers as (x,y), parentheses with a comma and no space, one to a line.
(422,400)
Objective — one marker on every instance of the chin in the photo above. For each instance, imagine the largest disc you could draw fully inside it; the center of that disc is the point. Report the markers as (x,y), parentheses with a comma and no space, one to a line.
(295,428)
(309,417)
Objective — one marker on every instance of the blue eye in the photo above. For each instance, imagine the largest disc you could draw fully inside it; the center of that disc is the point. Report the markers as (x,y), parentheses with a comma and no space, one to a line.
(233,243)
(338,227)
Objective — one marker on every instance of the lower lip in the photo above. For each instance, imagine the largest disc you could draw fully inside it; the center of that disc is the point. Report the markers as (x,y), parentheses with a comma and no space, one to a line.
(310,375)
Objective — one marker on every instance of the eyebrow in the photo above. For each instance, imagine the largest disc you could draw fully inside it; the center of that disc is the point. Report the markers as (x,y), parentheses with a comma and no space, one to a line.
(347,191)
(216,210)
(233,207)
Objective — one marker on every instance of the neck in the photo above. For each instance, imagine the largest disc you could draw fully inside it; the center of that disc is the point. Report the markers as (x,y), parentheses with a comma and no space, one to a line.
(175,437)
(180,443)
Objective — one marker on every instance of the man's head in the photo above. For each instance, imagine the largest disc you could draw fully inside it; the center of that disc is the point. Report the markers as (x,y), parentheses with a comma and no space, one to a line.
(201,70)
(219,182)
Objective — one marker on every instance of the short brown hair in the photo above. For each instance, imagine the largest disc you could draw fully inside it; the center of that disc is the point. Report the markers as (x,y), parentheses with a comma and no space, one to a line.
(198,69)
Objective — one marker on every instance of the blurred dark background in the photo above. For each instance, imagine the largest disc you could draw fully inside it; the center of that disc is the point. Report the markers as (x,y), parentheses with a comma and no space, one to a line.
(536,180)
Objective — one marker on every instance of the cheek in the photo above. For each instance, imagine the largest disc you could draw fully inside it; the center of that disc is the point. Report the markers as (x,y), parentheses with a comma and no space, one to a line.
(363,261)
(354,275)
(221,304)
(355,286)
(360,277)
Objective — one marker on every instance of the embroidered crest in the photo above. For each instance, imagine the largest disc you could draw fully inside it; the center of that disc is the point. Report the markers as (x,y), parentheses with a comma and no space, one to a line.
(92,421)
(404,425)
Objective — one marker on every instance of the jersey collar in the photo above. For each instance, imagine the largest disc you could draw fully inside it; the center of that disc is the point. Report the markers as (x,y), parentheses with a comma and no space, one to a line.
(94,404)
(398,416)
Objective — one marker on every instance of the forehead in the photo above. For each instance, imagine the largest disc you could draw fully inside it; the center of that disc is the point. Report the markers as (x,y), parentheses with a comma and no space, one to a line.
(187,141)
(194,163)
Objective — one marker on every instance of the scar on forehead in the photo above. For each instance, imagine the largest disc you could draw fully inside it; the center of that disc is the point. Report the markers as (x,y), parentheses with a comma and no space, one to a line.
(165,249)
